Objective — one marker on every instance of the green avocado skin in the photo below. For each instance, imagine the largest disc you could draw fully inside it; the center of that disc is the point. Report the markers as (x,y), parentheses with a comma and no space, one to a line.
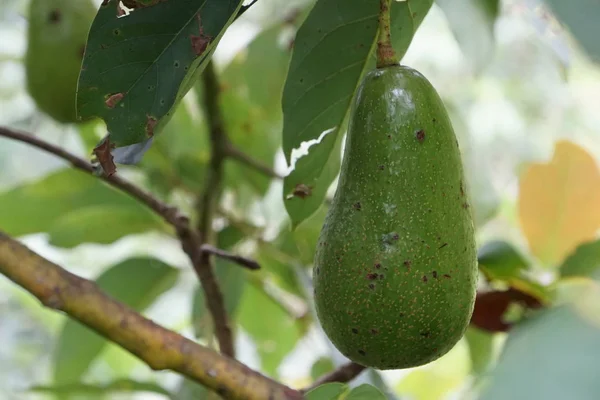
(395,270)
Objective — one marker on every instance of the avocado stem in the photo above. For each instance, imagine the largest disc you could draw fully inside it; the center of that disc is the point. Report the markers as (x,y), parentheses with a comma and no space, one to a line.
(386,56)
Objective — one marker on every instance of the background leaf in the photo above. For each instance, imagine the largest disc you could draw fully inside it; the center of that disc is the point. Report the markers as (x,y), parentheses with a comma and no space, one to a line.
(77,345)
(118,386)
(558,203)
(328,391)
(581,17)
(365,392)
(584,261)
(481,349)
(273,330)
(558,334)
(148,60)
(63,201)
(500,260)
(472,23)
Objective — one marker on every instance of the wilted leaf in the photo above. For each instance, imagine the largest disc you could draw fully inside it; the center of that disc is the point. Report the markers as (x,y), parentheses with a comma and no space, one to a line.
(481,349)
(584,261)
(472,23)
(138,67)
(500,260)
(365,392)
(491,307)
(52,203)
(558,203)
(118,386)
(273,330)
(558,348)
(328,63)
(136,282)
(581,17)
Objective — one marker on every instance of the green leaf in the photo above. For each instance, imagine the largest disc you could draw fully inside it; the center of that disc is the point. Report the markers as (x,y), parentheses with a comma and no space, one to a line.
(136,282)
(52,203)
(500,260)
(472,23)
(307,234)
(98,224)
(581,17)
(232,280)
(322,366)
(273,330)
(558,347)
(584,261)
(118,386)
(191,390)
(137,68)
(333,49)
(374,378)
(251,103)
(481,349)
(365,392)
(328,391)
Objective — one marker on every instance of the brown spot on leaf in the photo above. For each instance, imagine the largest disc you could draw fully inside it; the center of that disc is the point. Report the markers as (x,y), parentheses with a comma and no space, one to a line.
(424,278)
(377,265)
(425,334)
(420,135)
(150,124)
(201,41)
(361,352)
(407,264)
(374,331)
(357,206)
(372,276)
(301,190)
(104,157)
(381,167)
(54,16)
(434,274)
(113,99)
(447,276)
(354,330)
(442,246)
(371,286)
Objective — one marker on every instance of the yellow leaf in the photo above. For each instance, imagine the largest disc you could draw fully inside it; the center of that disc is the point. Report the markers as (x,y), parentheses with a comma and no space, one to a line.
(559,203)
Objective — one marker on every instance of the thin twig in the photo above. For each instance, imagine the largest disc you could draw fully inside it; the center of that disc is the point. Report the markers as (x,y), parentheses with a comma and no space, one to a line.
(243,261)
(244,158)
(159,348)
(191,241)
(344,373)
(170,214)
(206,207)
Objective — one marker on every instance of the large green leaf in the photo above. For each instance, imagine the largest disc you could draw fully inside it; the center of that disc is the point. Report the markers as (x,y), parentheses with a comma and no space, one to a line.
(118,386)
(584,261)
(232,280)
(136,282)
(581,17)
(138,67)
(273,330)
(554,356)
(472,23)
(333,49)
(74,208)
(251,103)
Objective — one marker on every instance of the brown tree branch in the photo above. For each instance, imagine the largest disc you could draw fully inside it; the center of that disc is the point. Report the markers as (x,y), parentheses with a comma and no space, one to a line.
(244,158)
(191,240)
(158,347)
(206,207)
(243,261)
(344,373)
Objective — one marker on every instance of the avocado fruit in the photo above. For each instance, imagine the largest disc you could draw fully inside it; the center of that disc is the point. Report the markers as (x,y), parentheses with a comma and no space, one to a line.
(395,269)
(56,38)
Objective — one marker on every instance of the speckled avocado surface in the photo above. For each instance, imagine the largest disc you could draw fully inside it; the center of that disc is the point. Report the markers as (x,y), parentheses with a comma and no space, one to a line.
(395,269)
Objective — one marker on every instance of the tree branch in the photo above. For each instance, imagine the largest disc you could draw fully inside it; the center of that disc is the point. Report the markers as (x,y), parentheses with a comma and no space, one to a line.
(206,209)
(158,347)
(344,373)
(243,261)
(191,241)
(244,158)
